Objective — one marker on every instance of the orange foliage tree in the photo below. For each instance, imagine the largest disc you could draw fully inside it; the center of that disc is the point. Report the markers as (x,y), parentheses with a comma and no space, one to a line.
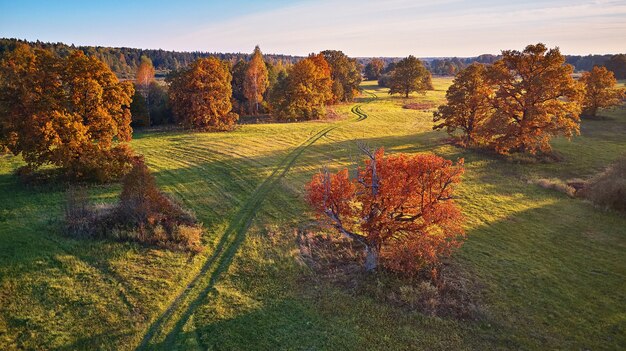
(70,112)
(200,95)
(468,105)
(536,98)
(145,74)
(144,77)
(256,81)
(400,208)
(600,90)
(304,92)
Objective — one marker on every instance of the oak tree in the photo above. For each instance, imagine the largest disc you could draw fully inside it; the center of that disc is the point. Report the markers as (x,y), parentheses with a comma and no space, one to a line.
(200,95)
(536,98)
(468,105)
(70,112)
(409,75)
(400,208)
(600,90)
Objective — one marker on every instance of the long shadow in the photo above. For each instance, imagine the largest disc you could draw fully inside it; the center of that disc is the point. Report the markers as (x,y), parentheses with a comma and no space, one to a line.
(229,243)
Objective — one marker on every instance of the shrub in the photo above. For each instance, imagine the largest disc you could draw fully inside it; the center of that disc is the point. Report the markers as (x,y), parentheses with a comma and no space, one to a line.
(143,214)
(608,189)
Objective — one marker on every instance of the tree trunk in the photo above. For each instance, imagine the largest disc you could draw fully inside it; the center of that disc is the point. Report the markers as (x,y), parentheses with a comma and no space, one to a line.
(371,258)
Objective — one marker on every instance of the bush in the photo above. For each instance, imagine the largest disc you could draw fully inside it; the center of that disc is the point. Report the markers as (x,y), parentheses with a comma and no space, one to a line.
(608,189)
(143,214)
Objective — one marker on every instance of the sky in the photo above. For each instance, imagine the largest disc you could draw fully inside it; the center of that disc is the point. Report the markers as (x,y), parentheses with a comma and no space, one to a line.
(360,28)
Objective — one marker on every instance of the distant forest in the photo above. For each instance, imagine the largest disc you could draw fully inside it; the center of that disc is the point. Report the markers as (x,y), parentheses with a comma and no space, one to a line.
(124,61)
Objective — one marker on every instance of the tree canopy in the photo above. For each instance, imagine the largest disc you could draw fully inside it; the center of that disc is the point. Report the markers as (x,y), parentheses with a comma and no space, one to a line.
(304,91)
(617,65)
(469,104)
(536,98)
(345,74)
(70,112)
(374,69)
(400,208)
(409,75)
(256,81)
(200,95)
(600,90)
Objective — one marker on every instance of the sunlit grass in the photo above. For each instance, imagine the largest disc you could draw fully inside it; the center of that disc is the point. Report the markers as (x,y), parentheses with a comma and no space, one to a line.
(552,268)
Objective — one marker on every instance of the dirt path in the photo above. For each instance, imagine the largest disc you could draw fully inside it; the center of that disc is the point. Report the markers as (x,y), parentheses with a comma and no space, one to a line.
(164,330)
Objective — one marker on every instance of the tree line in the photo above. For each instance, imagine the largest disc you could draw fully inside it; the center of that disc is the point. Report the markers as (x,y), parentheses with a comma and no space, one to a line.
(125,61)
(375,67)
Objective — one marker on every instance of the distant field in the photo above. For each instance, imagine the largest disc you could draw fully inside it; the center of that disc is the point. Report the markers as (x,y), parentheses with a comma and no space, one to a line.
(552,269)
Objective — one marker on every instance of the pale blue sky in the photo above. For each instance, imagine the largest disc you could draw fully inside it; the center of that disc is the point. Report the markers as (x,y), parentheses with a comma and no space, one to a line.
(359,28)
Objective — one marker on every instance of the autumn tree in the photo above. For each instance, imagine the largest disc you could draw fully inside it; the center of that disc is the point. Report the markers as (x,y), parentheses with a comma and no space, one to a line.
(600,90)
(536,98)
(256,80)
(400,208)
(409,75)
(374,69)
(144,77)
(304,91)
(69,112)
(345,74)
(145,73)
(468,105)
(200,95)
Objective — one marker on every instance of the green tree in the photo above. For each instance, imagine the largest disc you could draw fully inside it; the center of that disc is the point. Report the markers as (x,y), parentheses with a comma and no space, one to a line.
(160,111)
(617,65)
(409,75)
(240,102)
(139,111)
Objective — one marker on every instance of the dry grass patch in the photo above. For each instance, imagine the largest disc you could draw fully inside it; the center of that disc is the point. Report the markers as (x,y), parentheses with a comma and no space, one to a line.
(447,291)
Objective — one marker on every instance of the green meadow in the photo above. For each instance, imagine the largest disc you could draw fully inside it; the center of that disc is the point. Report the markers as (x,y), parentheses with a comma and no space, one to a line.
(548,271)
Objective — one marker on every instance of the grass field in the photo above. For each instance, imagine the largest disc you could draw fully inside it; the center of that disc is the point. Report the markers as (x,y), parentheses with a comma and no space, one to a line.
(551,269)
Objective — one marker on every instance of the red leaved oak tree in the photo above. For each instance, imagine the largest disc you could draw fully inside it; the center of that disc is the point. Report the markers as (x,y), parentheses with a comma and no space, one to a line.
(400,208)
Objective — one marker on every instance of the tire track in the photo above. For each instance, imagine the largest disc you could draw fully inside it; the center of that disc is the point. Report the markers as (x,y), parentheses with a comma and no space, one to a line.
(184,305)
